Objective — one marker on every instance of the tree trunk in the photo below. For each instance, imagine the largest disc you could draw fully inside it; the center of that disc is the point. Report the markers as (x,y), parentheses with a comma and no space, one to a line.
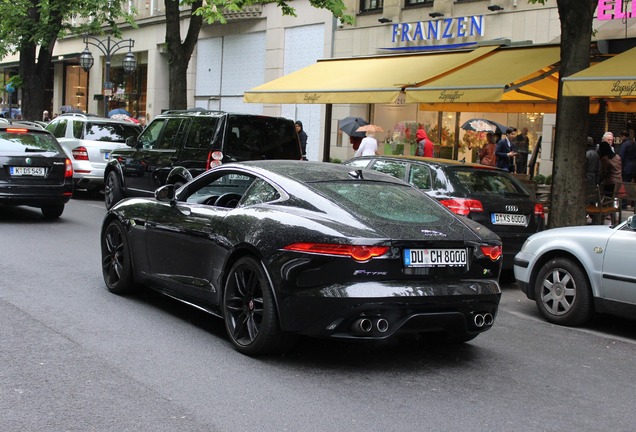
(35,76)
(179,53)
(567,206)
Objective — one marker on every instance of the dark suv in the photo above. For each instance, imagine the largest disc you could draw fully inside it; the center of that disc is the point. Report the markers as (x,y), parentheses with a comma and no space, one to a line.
(179,145)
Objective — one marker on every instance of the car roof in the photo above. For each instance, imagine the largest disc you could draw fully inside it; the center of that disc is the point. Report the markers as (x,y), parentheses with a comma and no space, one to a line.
(431,161)
(93,118)
(200,112)
(307,171)
(22,124)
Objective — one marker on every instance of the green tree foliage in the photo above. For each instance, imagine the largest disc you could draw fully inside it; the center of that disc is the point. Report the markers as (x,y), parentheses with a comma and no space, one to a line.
(32,27)
(568,172)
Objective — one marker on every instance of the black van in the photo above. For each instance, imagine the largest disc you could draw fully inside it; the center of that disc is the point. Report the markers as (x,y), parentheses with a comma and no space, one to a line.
(179,145)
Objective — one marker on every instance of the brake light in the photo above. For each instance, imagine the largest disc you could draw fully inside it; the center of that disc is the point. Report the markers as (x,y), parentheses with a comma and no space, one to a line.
(68,169)
(539,210)
(492,252)
(357,252)
(80,153)
(215,159)
(463,206)
(16,130)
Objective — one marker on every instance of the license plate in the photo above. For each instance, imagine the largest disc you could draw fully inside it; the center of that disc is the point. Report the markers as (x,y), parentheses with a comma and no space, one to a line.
(435,257)
(27,171)
(106,155)
(508,219)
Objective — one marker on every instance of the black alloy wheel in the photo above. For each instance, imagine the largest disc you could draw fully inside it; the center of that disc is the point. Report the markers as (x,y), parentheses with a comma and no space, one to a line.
(562,293)
(113,192)
(116,262)
(250,315)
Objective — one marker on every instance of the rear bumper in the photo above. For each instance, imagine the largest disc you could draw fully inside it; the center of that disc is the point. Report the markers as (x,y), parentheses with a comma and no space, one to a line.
(35,196)
(456,308)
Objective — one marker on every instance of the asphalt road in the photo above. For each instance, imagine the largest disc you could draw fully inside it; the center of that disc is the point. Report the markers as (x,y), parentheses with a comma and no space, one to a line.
(74,357)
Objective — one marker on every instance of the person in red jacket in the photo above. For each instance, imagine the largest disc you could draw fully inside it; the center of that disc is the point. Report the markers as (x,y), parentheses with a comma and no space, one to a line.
(424,145)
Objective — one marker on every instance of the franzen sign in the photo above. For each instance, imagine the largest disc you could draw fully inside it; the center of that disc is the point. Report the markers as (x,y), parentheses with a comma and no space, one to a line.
(440,29)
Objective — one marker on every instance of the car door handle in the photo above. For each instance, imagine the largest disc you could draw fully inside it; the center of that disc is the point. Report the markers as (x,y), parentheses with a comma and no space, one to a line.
(187,211)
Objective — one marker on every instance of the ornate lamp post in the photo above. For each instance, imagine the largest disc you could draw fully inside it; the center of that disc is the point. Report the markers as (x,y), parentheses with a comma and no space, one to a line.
(108,48)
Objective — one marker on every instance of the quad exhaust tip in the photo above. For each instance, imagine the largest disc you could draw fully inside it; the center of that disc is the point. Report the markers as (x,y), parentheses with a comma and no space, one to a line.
(367,325)
(483,319)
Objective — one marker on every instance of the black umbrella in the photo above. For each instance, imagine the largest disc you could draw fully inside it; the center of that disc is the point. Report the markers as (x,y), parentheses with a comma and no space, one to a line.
(484,125)
(350,125)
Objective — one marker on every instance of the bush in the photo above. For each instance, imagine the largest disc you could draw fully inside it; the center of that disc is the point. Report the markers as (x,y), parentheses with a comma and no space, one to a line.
(335,160)
(548,180)
(539,179)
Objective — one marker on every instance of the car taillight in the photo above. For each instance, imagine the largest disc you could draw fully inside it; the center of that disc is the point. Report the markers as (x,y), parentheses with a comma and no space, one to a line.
(539,210)
(357,252)
(16,130)
(463,206)
(80,153)
(68,169)
(492,252)
(215,158)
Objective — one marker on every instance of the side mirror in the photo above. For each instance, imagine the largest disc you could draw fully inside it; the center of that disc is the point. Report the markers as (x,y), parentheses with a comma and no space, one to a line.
(166,194)
(131,141)
(631,222)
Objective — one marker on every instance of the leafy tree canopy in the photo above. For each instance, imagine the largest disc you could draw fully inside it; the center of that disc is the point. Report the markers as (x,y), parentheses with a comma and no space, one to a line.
(212,11)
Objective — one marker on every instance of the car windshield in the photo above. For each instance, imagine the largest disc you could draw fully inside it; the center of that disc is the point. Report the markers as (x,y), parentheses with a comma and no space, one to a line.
(111,132)
(485,182)
(18,141)
(393,202)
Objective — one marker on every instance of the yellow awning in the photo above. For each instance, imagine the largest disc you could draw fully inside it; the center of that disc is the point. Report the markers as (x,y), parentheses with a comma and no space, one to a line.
(612,78)
(508,74)
(361,80)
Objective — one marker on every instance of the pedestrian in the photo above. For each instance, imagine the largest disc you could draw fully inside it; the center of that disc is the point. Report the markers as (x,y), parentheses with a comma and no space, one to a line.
(505,152)
(424,144)
(592,164)
(355,142)
(487,151)
(522,149)
(628,157)
(142,121)
(611,166)
(302,137)
(368,146)
(45,116)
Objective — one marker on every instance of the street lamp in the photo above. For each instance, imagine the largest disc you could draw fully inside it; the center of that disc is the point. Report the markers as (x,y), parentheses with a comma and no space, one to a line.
(108,48)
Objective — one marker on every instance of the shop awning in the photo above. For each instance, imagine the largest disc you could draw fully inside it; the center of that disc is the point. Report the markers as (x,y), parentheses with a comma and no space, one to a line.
(612,78)
(513,75)
(361,79)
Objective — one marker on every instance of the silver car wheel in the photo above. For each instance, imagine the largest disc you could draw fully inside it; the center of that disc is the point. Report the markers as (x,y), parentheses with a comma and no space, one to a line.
(558,292)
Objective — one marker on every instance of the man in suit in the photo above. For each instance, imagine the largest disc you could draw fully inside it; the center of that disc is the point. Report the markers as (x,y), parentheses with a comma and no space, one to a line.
(504,150)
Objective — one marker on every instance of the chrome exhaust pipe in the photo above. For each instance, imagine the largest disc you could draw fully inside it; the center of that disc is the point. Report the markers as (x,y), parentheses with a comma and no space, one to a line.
(479,320)
(364,325)
(382,325)
(488,319)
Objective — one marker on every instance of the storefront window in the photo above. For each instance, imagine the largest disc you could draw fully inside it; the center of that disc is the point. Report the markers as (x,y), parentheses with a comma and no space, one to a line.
(76,87)
(418,2)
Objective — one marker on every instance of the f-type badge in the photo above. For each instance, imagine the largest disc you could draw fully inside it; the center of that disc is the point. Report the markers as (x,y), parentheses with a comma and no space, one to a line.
(433,233)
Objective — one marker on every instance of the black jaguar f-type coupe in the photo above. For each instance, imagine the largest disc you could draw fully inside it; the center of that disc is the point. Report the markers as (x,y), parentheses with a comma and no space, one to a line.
(278,248)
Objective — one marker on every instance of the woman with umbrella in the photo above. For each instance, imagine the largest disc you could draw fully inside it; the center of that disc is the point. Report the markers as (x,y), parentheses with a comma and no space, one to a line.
(369,145)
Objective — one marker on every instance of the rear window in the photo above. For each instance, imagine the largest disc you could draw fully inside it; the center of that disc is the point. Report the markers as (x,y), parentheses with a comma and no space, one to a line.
(382,200)
(485,182)
(253,138)
(18,142)
(111,132)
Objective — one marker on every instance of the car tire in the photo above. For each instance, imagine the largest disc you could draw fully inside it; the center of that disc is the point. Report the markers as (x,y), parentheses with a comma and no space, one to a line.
(52,211)
(113,191)
(249,311)
(116,260)
(562,293)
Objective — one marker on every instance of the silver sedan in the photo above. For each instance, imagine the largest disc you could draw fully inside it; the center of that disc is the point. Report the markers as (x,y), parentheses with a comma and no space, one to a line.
(573,272)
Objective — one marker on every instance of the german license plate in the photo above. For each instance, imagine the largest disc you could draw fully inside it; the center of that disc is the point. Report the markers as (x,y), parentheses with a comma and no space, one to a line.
(435,257)
(27,171)
(508,219)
